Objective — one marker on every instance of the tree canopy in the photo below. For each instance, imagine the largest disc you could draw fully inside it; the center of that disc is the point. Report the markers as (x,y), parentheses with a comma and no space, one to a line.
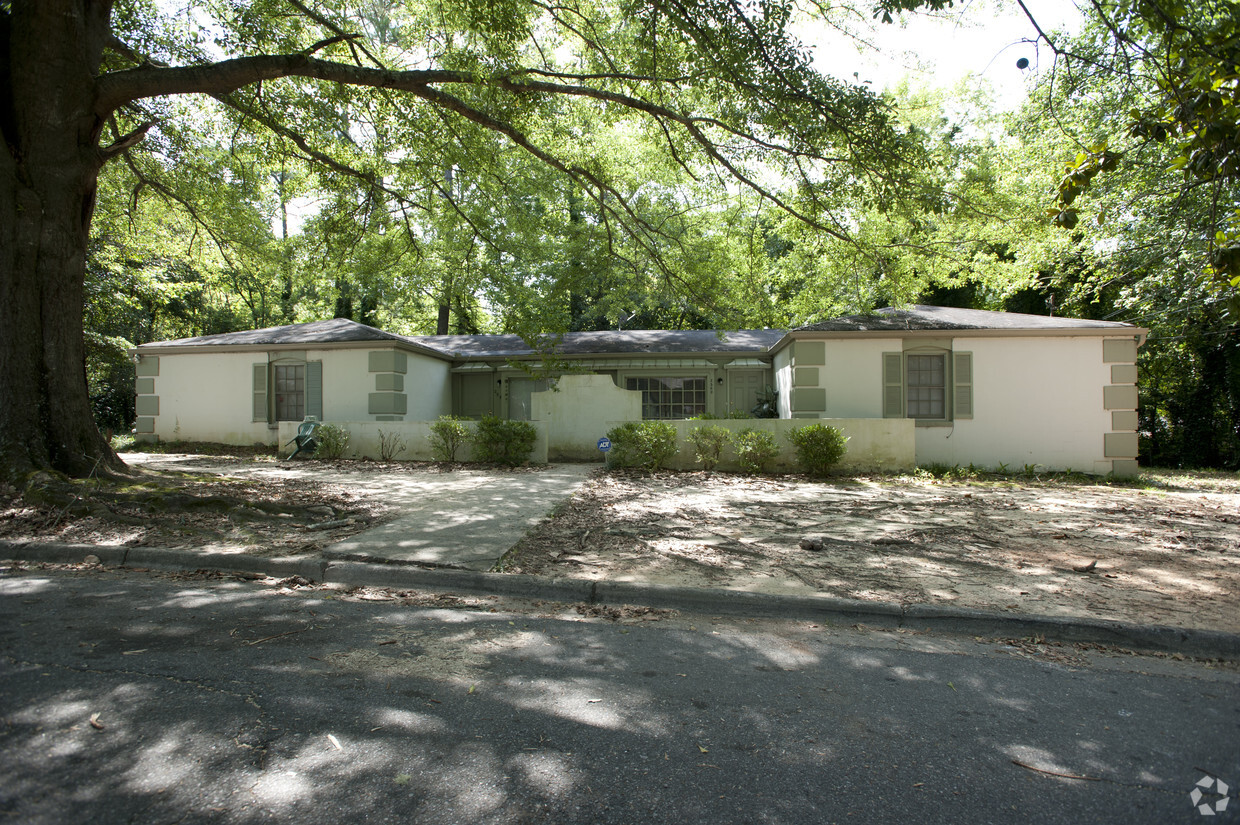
(632,120)
(184,168)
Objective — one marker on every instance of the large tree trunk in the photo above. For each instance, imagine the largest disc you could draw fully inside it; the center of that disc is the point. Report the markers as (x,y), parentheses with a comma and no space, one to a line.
(48,174)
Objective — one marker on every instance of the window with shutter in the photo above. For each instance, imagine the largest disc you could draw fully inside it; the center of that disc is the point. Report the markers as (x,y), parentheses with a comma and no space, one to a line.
(928,385)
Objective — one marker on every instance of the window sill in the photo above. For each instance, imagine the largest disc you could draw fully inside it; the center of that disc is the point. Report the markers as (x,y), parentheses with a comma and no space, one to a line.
(923,423)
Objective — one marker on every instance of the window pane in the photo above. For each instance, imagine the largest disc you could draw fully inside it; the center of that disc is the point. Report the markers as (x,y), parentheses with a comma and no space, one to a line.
(670,398)
(927,386)
(290,381)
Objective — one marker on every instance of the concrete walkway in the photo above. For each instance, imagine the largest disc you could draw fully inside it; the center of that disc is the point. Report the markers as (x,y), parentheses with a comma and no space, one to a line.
(466,519)
(463,520)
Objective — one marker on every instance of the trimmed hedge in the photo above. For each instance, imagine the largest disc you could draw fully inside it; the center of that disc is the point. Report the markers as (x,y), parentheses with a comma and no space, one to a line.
(755,449)
(818,447)
(500,441)
(645,444)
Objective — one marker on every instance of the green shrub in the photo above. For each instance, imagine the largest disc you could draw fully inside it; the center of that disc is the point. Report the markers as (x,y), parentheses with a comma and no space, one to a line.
(646,444)
(754,449)
(708,443)
(501,441)
(333,441)
(448,435)
(124,442)
(818,447)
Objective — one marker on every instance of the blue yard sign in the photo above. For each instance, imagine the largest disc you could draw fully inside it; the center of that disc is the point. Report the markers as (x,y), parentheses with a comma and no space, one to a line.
(604,444)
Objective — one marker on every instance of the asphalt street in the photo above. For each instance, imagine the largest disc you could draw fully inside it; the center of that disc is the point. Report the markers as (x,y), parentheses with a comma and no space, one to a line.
(135,698)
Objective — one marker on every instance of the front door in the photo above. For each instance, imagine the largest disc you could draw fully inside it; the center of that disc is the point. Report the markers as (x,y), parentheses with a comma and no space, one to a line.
(744,387)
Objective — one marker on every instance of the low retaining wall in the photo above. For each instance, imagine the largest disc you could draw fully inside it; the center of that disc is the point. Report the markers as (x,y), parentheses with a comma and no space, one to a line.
(873,443)
(364,439)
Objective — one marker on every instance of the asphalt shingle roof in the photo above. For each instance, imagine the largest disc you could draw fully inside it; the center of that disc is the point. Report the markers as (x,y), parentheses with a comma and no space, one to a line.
(921,317)
(626,342)
(633,342)
(335,331)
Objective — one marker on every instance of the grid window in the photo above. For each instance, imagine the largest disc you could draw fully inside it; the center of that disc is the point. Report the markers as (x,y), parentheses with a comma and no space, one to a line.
(927,386)
(290,392)
(670,398)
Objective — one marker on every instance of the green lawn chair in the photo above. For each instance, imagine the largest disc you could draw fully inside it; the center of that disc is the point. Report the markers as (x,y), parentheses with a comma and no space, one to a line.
(304,439)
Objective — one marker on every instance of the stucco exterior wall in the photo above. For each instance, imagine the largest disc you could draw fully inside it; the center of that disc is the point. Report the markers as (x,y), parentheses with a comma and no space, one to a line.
(1056,402)
(853,376)
(209,396)
(346,383)
(580,411)
(428,385)
(1036,401)
(781,366)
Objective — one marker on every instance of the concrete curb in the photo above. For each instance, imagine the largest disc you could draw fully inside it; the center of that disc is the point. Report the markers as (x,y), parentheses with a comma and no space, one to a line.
(1212,644)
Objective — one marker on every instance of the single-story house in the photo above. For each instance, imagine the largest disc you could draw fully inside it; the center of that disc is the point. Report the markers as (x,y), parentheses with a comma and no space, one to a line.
(959,386)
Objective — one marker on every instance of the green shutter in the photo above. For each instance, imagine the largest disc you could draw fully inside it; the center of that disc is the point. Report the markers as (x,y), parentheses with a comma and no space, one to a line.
(962,385)
(893,385)
(314,389)
(260,392)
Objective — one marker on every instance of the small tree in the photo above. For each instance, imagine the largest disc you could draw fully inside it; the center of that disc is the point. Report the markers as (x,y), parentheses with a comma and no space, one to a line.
(448,435)
(502,441)
(646,444)
(754,449)
(708,443)
(818,447)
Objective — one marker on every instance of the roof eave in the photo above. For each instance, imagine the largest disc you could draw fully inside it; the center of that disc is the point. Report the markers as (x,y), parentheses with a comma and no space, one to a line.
(582,356)
(198,349)
(992,332)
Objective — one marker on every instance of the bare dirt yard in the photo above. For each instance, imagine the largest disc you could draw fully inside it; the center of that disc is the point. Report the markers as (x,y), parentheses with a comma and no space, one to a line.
(220,504)
(1164,553)
(1165,550)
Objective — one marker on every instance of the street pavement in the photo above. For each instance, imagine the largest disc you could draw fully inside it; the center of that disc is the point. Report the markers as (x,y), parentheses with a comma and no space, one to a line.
(139,698)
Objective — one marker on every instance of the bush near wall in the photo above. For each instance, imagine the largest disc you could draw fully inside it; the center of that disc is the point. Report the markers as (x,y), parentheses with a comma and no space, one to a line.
(448,435)
(708,443)
(333,441)
(755,449)
(501,441)
(649,445)
(818,447)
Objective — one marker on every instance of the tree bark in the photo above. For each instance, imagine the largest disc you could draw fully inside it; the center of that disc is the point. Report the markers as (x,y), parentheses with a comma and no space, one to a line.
(48,179)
